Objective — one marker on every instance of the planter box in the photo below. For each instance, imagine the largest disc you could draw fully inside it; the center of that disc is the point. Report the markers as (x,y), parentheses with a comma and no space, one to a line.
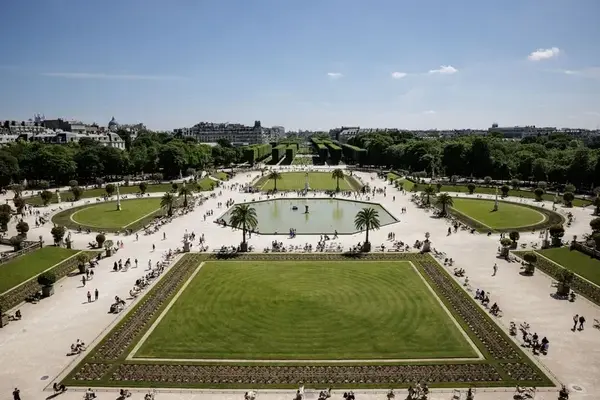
(562,289)
(47,291)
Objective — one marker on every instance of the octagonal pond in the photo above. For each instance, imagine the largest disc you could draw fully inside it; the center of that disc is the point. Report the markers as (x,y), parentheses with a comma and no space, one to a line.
(324,216)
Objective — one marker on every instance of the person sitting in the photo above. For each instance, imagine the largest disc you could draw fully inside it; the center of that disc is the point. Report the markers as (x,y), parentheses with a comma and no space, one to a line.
(89,394)
(513,329)
(563,394)
(124,393)
(485,301)
(391,394)
(59,388)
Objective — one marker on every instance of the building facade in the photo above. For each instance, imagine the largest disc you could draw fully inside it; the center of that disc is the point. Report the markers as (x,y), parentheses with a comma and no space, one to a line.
(236,134)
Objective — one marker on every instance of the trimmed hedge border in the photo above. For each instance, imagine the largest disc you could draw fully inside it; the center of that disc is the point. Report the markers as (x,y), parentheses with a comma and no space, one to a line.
(64,218)
(17,295)
(552,218)
(553,269)
(504,364)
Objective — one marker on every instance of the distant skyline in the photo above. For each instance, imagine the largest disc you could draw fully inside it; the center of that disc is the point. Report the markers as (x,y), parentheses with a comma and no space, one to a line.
(311,64)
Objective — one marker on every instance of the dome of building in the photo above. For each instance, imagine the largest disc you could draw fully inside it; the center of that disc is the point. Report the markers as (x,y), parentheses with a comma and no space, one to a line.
(113,124)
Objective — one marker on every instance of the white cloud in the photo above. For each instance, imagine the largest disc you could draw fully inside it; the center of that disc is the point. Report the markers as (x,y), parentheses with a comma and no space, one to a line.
(334,75)
(124,77)
(398,75)
(592,72)
(444,70)
(543,54)
(428,112)
(593,113)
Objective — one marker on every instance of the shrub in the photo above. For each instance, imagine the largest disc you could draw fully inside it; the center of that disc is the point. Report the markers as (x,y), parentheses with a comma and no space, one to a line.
(43,185)
(438,186)
(108,244)
(58,233)
(22,228)
(542,185)
(4,220)
(596,239)
(158,177)
(565,277)
(515,183)
(77,192)
(595,225)
(110,189)
(99,182)
(504,189)
(505,242)
(17,242)
(73,183)
(100,239)
(46,197)
(539,192)
(174,186)
(143,187)
(487,180)
(570,188)
(514,236)
(190,172)
(82,258)
(47,278)
(557,232)
(471,186)
(530,257)
(568,198)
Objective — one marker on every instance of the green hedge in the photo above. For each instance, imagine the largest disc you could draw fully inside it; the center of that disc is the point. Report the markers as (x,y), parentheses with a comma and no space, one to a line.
(353,154)
(256,152)
(277,153)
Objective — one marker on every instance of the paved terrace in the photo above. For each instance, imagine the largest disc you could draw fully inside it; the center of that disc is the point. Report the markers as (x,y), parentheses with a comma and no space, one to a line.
(33,351)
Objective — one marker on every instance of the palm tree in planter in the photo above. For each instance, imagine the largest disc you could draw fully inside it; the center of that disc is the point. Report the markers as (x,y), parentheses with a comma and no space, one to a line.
(444,200)
(514,236)
(108,246)
(531,259)
(505,242)
(337,174)
(47,281)
(565,279)
(23,228)
(185,191)
(274,176)
(100,239)
(58,233)
(367,219)
(243,217)
(429,191)
(82,259)
(167,202)
(557,232)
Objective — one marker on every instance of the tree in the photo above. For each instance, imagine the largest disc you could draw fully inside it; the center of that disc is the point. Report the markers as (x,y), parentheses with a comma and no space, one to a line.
(471,186)
(9,168)
(100,239)
(515,183)
(73,183)
(17,242)
(444,200)
(367,219)
(337,174)
(4,220)
(556,232)
(174,187)
(539,193)
(568,198)
(46,197)
(439,186)
(596,204)
(570,188)
(82,259)
(487,180)
(43,185)
(99,182)
(504,189)
(77,192)
(429,191)
(22,228)
(542,185)
(58,233)
(530,257)
(143,187)
(47,278)
(274,176)
(19,204)
(17,189)
(110,189)
(243,217)
(167,203)
(185,191)
(595,225)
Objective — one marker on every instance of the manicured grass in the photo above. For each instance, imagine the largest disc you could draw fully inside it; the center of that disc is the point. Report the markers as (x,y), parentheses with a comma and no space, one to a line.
(295,181)
(306,310)
(576,261)
(512,192)
(203,185)
(26,267)
(299,160)
(392,176)
(105,215)
(407,185)
(220,175)
(206,184)
(508,215)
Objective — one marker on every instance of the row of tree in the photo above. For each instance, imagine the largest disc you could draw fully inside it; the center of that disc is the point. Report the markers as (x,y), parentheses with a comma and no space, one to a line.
(557,158)
(88,159)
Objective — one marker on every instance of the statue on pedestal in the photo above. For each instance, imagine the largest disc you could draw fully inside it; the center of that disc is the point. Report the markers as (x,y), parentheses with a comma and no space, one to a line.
(118,198)
(496,201)
(306,187)
(58,196)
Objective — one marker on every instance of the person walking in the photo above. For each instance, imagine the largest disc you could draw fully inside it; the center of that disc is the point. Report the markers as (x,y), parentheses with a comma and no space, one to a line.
(575,320)
(136,262)
(153,247)
(89,296)
(83,280)
(581,321)
(96,293)
(495,269)
(16,394)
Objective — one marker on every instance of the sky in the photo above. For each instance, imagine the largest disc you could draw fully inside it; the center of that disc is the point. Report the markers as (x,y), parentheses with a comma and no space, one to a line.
(303,64)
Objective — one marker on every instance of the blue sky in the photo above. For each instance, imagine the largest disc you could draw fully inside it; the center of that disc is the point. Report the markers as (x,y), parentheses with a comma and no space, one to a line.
(310,64)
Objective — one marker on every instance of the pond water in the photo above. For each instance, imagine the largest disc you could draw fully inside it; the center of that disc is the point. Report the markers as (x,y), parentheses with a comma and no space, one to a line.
(324,216)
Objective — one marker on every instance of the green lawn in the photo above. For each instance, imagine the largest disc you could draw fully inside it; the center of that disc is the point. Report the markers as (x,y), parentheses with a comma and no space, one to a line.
(299,160)
(306,310)
(507,216)
(392,176)
(512,192)
(220,175)
(26,267)
(105,214)
(203,185)
(576,261)
(295,181)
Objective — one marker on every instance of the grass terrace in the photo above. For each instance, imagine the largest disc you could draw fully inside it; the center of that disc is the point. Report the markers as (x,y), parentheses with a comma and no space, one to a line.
(576,261)
(25,267)
(508,216)
(316,180)
(222,176)
(103,216)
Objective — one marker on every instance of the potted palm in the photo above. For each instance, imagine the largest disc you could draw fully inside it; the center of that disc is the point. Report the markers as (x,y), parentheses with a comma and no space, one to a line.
(47,281)
(531,259)
(108,246)
(514,236)
(82,260)
(505,242)
(367,219)
(565,279)
(243,217)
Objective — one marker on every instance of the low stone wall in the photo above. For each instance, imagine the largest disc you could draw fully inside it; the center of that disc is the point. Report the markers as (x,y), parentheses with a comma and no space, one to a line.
(28,247)
(18,294)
